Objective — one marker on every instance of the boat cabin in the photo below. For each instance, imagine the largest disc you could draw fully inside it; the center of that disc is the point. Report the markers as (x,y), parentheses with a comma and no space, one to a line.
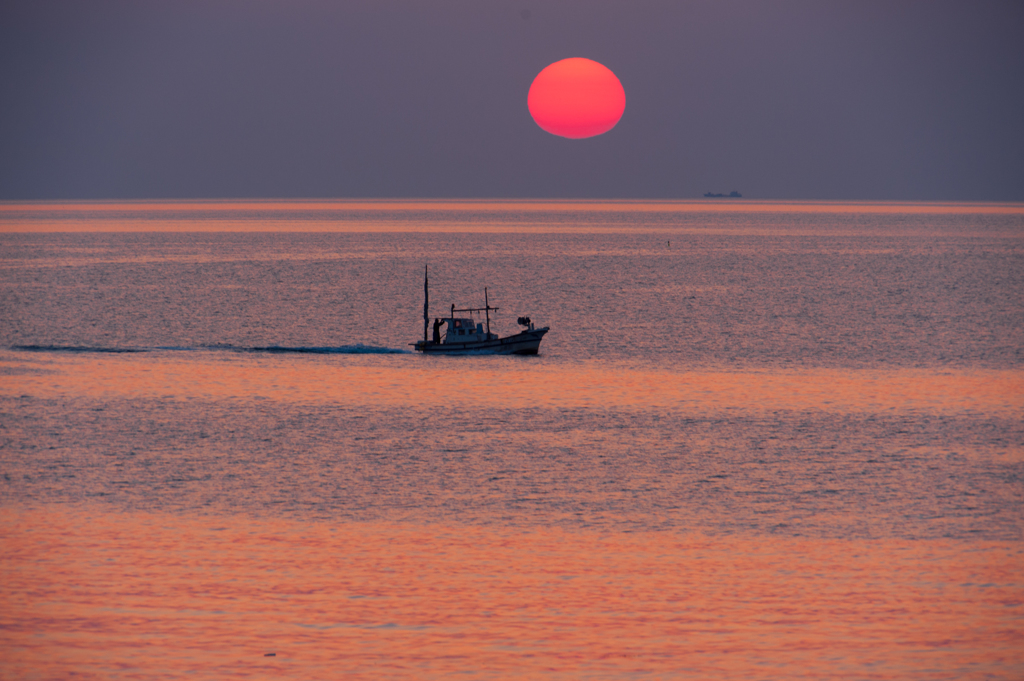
(464,331)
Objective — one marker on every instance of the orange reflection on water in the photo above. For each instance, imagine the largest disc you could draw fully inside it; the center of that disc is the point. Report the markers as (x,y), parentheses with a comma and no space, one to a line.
(100,594)
(438,215)
(505,383)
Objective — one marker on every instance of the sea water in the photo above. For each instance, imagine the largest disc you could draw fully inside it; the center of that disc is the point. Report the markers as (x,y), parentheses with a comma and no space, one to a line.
(761,440)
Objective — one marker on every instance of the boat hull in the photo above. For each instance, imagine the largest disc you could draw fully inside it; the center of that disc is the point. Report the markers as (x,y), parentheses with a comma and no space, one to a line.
(523,343)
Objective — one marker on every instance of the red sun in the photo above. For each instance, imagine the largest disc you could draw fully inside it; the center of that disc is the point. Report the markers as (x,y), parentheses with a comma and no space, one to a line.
(576,98)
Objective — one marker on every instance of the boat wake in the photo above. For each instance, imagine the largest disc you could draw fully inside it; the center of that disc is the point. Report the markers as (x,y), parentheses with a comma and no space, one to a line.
(357,349)
(74,348)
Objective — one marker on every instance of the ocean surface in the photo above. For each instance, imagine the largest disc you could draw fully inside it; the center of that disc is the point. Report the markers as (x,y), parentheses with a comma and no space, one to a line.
(762,440)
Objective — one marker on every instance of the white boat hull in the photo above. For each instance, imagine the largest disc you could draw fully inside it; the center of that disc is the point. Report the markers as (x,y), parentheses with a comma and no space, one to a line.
(523,343)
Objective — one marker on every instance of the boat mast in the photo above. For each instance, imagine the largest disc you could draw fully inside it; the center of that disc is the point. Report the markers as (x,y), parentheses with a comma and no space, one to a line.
(487,311)
(426,304)
(486,308)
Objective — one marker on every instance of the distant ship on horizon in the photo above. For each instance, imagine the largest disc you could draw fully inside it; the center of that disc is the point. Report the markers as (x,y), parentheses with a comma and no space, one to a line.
(730,195)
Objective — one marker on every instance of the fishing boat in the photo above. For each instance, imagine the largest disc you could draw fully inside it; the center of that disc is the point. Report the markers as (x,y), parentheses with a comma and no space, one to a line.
(466,335)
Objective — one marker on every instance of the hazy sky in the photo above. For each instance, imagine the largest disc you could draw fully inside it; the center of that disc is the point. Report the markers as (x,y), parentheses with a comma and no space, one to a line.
(427,98)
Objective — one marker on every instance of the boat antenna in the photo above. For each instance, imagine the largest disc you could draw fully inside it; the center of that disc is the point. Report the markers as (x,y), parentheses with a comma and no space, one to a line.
(426,303)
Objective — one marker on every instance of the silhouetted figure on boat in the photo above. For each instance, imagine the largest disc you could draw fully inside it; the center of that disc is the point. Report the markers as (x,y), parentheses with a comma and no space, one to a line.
(437,330)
